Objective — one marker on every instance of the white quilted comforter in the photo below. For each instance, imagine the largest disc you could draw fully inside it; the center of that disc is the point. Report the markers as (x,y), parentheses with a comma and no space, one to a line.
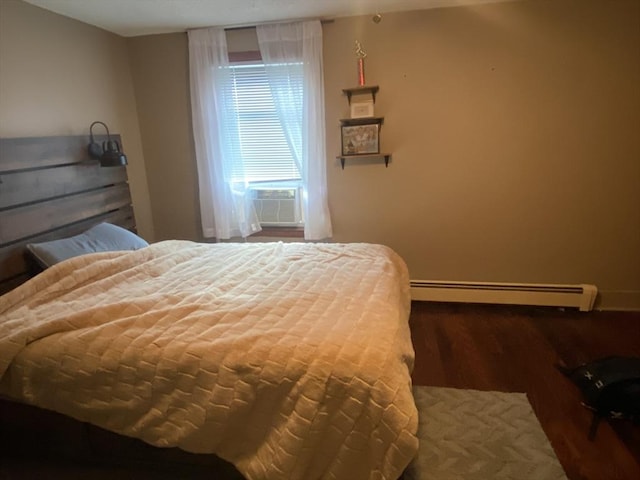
(288,360)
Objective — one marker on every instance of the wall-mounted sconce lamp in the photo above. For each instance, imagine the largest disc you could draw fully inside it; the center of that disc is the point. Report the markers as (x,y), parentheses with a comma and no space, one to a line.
(109,153)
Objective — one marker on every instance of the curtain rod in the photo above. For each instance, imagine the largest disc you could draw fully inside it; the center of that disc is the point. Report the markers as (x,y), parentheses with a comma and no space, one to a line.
(244,27)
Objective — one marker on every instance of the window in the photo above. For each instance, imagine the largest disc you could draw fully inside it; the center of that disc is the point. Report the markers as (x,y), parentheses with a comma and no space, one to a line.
(262,154)
(259,130)
(256,134)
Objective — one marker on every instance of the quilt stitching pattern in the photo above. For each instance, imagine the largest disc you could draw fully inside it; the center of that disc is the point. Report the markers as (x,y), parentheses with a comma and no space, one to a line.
(289,360)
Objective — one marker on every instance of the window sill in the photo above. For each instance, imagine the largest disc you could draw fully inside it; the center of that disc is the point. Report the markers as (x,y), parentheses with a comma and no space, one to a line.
(286,232)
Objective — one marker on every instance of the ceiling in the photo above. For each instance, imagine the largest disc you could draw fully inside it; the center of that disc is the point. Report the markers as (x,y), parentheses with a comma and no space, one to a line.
(131,18)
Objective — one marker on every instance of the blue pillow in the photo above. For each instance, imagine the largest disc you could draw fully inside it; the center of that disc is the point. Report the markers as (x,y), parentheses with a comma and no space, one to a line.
(104,237)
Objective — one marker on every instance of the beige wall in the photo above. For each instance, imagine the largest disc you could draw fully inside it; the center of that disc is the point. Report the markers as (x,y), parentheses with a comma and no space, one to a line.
(515,134)
(513,127)
(160,70)
(58,75)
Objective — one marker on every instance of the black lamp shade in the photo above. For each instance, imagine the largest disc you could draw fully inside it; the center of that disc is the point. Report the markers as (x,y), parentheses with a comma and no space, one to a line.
(109,153)
(112,156)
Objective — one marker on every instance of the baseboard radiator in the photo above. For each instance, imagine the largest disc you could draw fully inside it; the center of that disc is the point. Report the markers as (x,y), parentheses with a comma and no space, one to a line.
(579,296)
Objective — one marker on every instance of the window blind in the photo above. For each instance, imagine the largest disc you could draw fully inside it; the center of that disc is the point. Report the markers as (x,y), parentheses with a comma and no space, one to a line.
(256,138)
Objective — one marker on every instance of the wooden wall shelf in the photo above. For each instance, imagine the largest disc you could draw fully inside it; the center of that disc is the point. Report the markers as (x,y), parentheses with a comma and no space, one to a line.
(373,89)
(362,121)
(347,122)
(386,157)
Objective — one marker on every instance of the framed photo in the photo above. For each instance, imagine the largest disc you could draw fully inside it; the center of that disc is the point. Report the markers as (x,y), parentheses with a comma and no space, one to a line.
(362,109)
(360,139)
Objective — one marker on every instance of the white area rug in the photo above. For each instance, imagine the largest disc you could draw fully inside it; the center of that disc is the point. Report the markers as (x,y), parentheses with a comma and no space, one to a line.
(474,435)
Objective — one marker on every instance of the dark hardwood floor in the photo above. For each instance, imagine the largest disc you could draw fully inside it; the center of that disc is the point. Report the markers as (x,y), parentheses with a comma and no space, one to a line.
(515,349)
(483,347)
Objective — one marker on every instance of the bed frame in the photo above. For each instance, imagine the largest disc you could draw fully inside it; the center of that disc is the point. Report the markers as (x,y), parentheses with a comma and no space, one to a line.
(51,189)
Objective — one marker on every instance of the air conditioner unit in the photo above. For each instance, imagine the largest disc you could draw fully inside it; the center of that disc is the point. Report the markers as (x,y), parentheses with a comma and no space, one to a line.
(278,206)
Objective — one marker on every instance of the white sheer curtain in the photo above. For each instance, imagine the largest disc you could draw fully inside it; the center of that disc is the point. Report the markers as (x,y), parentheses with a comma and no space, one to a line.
(301,110)
(226,210)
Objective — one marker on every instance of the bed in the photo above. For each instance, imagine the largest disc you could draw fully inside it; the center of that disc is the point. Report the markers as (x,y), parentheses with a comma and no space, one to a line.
(290,360)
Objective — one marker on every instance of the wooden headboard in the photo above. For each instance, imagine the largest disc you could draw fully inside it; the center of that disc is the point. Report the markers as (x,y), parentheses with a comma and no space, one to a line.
(50,189)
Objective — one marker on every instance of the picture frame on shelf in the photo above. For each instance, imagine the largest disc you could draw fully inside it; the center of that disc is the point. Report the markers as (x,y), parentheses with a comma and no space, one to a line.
(361,139)
(362,109)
